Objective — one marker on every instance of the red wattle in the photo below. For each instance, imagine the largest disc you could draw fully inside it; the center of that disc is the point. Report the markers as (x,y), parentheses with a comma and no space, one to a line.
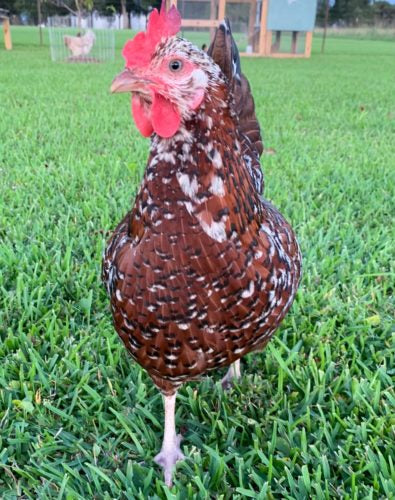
(164,116)
(141,117)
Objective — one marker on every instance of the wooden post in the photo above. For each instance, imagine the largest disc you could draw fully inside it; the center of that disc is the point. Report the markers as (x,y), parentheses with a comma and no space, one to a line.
(199,23)
(325,26)
(213,15)
(39,20)
(269,37)
(308,43)
(221,9)
(294,44)
(7,33)
(276,45)
(251,24)
(264,34)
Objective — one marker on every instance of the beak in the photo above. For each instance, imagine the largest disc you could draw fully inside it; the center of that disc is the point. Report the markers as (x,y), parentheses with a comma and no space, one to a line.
(124,82)
(129,81)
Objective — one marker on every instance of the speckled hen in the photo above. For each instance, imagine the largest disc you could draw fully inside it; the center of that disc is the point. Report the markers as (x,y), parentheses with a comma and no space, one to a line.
(202,270)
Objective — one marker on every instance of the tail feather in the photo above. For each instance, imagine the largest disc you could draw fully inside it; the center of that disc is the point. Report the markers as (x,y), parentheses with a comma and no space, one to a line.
(224,52)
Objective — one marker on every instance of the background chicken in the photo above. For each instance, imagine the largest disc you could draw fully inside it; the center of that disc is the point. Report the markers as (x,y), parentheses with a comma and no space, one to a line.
(80,45)
(202,270)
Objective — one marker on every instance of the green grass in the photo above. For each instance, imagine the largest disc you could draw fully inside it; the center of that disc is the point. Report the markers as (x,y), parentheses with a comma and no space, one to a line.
(362,32)
(313,416)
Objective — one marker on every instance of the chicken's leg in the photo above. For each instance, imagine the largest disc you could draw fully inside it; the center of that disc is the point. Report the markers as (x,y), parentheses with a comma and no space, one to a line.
(233,373)
(171,451)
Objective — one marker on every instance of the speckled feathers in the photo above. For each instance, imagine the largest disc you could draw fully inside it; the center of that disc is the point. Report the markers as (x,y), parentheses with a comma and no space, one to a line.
(203,269)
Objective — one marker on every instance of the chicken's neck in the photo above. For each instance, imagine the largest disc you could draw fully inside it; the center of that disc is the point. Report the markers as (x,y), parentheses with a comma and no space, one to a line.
(200,170)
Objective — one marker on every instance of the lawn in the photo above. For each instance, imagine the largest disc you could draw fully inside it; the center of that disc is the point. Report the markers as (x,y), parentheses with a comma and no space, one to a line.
(313,416)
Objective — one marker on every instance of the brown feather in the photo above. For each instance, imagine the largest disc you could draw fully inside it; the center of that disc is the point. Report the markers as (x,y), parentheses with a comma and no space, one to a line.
(223,51)
(202,270)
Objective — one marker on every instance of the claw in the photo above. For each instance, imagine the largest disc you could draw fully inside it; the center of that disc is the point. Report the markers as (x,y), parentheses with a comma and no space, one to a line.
(171,452)
(232,374)
(167,459)
(227,384)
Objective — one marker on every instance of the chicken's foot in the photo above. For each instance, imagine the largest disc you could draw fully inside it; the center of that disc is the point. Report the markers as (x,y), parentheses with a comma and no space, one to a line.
(233,372)
(171,452)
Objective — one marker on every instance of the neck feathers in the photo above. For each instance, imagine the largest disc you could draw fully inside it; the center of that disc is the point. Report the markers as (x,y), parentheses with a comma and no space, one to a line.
(196,177)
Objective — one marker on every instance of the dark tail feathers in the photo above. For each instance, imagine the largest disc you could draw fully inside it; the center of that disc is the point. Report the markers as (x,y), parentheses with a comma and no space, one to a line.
(224,52)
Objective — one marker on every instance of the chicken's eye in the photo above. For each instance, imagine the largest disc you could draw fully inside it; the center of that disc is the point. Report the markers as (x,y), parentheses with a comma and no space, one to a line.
(175,65)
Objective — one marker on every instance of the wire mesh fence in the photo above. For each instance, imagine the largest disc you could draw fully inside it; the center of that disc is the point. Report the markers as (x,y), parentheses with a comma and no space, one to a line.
(244,16)
(80,45)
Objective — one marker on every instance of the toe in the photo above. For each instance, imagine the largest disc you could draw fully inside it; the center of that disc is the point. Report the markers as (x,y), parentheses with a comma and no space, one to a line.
(168,477)
(167,459)
(227,384)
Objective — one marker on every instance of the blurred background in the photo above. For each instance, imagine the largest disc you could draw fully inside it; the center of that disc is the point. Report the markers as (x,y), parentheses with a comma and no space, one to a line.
(344,16)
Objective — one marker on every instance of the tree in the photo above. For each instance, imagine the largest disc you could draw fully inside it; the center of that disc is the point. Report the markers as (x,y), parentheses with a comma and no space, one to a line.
(28,8)
(125,15)
(320,17)
(384,13)
(75,7)
(351,12)
(137,6)
(125,7)
(78,8)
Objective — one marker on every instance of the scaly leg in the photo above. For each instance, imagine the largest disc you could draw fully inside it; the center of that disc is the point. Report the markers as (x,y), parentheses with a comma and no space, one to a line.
(171,451)
(233,373)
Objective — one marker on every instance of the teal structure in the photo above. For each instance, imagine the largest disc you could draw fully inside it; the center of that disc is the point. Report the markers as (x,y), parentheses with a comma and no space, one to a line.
(291,15)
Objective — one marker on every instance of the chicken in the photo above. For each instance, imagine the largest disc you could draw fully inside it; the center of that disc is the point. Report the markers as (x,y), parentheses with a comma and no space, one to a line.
(202,270)
(80,45)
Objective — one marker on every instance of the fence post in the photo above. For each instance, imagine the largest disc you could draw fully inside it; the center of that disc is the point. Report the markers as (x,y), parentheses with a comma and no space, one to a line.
(7,33)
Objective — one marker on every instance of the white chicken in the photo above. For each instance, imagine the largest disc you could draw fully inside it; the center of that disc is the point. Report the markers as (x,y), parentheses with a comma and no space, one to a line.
(80,45)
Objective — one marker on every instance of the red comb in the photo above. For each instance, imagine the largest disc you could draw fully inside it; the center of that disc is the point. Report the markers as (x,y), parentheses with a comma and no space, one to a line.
(138,52)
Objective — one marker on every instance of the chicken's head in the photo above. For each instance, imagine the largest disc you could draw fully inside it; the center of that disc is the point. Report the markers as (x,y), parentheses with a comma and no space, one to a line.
(168,76)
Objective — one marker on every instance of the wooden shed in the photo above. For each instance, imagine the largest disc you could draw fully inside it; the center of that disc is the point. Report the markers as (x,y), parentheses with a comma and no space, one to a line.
(271,28)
